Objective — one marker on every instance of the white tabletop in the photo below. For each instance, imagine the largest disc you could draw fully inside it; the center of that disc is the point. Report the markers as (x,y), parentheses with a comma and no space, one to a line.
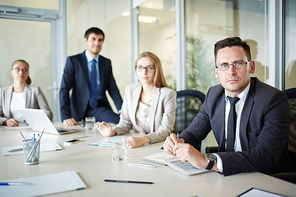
(94,164)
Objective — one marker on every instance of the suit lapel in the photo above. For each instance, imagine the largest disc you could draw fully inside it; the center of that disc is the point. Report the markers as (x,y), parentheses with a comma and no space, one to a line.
(220,103)
(154,104)
(84,68)
(245,116)
(8,96)
(135,101)
(28,96)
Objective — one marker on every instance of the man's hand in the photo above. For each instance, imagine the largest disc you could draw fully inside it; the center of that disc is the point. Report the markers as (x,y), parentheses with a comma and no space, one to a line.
(11,122)
(187,153)
(70,122)
(134,142)
(106,129)
(170,142)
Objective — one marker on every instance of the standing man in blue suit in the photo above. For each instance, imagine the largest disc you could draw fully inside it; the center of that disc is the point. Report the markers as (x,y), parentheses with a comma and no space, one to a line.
(89,75)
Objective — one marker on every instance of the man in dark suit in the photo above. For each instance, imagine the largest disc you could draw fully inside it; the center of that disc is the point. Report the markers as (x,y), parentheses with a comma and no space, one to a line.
(89,75)
(256,138)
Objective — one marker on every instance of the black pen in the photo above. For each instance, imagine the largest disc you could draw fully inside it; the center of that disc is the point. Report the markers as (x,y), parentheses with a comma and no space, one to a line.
(124,181)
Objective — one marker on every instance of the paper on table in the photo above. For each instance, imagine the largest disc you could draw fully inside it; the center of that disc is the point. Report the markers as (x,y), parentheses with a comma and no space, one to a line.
(22,125)
(106,142)
(44,147)
(44,185)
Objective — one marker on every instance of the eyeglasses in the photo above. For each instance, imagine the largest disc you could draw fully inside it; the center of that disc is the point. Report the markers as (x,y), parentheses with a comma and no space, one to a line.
(237,65)
(18,70)
(149,69)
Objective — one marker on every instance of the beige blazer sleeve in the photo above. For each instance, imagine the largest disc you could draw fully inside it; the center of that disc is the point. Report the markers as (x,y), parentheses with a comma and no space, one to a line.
(162,114)
(34,100)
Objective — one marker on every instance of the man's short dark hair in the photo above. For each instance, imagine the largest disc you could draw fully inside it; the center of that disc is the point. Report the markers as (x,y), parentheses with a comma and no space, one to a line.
(232,41)
(94,30)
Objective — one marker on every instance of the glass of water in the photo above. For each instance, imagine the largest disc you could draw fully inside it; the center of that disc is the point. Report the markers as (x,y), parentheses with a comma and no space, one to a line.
(89,122)
(118,149)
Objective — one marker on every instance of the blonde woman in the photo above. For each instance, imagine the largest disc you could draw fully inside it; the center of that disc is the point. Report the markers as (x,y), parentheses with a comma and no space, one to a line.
(20,95)
(149,107)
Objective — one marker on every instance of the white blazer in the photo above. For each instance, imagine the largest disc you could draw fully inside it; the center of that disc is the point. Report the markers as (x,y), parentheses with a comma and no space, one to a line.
(34,100)
(162,113)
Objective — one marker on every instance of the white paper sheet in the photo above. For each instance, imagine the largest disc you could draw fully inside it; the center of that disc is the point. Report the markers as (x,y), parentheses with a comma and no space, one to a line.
(22,125)
(44,185)
(106,142)
(53,146)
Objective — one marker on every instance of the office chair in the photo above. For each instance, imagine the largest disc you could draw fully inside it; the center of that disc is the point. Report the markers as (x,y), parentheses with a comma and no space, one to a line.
(188,105)
(290,176)
(291,93)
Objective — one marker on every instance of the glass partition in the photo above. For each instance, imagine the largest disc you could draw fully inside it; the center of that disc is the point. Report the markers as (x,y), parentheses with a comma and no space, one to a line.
(210,21)
(28,40)
(157,34)
(290,75)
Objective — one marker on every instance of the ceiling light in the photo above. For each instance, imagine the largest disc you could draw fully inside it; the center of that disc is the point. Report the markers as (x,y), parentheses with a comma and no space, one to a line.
(126,13)
(147,19)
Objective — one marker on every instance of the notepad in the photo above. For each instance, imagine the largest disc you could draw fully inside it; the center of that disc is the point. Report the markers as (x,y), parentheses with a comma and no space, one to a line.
(160,158)
(106,142)
(44,147)
(44,185)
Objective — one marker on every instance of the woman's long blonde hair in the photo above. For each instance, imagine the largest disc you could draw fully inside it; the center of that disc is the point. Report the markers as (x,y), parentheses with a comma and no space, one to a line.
(159,80)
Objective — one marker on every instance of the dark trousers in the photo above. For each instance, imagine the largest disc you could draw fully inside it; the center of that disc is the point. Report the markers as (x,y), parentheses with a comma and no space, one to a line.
(102,113)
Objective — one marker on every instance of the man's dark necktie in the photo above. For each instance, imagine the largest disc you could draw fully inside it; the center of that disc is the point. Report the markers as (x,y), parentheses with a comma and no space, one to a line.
(231,125)
(93,83)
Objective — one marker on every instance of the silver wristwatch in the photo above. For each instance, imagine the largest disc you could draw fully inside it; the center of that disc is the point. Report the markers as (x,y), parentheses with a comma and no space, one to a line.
(211,159)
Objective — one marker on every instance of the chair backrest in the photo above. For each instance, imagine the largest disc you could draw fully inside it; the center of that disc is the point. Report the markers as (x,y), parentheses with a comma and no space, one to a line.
(188,105)
(291,93)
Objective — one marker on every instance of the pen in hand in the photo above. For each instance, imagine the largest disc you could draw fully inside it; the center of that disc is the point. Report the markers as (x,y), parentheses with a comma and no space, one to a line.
(177,137)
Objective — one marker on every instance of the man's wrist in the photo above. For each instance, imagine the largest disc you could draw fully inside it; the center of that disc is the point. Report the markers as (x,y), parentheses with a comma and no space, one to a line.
(211,160)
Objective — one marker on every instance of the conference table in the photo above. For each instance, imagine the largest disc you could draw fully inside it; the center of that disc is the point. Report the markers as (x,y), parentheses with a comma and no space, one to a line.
(93,164)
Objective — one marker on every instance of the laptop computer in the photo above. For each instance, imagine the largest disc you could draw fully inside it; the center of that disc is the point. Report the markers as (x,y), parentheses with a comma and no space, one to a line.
(37,120)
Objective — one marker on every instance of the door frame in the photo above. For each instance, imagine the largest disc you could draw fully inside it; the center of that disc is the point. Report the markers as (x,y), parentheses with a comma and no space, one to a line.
(57,19)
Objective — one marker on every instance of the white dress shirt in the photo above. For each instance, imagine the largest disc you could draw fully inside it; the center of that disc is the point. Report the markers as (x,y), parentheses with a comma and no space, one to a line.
(238,109)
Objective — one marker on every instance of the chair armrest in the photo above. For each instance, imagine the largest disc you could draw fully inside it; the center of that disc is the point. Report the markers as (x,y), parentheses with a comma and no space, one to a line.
(286,176)
(211,149)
